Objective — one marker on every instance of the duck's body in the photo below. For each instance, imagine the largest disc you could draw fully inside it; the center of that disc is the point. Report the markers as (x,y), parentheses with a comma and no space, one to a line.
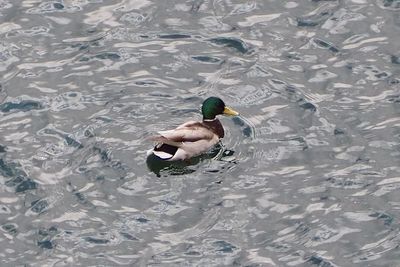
(194,137)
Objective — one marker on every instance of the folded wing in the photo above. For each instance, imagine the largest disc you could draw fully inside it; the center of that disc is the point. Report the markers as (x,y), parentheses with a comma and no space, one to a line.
(190,133)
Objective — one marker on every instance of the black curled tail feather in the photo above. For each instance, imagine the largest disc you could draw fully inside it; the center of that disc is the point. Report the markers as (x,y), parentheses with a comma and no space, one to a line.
(166,148)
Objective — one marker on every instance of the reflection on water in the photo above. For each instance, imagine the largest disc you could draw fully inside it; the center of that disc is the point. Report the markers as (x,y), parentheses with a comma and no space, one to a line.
(308,176)
(159,166)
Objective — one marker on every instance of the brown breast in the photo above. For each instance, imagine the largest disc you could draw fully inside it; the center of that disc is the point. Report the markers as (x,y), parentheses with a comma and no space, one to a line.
(216,127)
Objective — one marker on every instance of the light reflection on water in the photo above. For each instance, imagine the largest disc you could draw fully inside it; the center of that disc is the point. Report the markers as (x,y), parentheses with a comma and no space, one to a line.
(307,175)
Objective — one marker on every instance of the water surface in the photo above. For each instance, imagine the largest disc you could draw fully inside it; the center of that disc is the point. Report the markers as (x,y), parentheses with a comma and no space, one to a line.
(310,170)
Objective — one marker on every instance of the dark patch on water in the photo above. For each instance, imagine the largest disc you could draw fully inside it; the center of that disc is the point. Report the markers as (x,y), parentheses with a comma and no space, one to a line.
(395,59)
(238,121)
(46,244)
(146,83)
(160,94)
(348,182)
(224,246)
(89,133)
(27,184)
(58,5)
(300,140)
(192,253)
(84,59)
(278,247)
(20,181)
(309,106)
(45,236)
(314,20)
(51,231)
(15,181)
(393,98)
(108,55)
(234,43)
(326,45)
(80,197)
(129,236)
(382,75)
(393,81)
(386,218)
(338,131)
(105,154)
(72,142)
(196,4)
(391,3)
(319,261)
(142,220)
(69,139)
(96,240)
(294,55)
(174,36)
(81,46)
(25,105)
(247,131)
(4,209)
(38,206)
(306,22)
(206,59)
(10,228)
(7,169)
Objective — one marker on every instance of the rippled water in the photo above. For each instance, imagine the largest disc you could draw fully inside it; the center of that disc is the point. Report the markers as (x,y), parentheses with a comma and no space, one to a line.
(310,172)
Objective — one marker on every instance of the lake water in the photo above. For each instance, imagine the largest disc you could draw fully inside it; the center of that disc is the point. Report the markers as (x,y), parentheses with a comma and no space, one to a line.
(309,175)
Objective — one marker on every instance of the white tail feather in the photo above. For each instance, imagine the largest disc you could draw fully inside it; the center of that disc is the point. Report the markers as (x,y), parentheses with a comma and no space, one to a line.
(162,154)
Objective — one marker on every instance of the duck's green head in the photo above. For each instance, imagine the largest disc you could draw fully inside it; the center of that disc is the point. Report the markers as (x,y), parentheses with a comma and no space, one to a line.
(214,106)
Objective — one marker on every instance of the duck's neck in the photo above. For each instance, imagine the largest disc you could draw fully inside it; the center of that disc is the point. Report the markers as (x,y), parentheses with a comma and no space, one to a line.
(215,125)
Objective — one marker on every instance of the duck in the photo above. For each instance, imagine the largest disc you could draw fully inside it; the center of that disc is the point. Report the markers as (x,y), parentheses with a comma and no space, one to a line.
(193,138)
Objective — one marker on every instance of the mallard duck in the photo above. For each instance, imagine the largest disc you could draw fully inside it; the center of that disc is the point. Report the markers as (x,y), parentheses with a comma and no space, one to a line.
(193,138)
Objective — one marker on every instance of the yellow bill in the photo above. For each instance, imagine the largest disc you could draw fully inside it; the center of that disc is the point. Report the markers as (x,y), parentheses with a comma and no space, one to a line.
(230,112)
